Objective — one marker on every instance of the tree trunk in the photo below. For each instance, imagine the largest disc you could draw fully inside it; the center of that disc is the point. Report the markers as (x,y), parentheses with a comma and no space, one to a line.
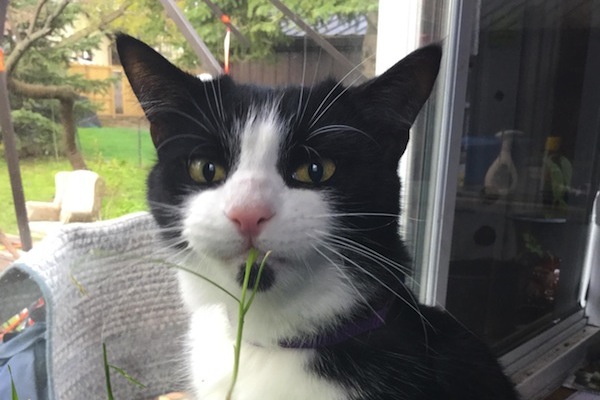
(68,120)
(66,95)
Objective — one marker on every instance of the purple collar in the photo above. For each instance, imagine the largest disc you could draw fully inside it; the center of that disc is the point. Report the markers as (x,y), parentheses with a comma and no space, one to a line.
(346,331)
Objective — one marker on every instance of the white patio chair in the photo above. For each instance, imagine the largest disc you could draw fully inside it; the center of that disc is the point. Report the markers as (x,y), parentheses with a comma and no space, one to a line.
(78,198)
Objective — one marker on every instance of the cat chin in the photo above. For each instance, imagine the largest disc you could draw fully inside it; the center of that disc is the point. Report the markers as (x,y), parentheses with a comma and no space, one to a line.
(298,302)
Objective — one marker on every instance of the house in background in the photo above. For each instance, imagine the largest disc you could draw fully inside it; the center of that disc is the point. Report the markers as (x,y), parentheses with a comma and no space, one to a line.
(300,59)
(119,99)
(101,64)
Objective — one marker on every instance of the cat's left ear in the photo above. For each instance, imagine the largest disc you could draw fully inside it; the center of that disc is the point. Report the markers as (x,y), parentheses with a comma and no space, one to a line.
(393,100)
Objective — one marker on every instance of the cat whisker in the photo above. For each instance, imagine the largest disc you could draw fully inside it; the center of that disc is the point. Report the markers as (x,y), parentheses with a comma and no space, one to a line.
(316,117)
(163,205)
(302,83)
(218,103)
(200,110)
(381,261)
(346,278)
(210,107)
(412,304)
(354,229)
(177,137)
(221,100)
(376,257)
(354,214)
(162,108)
(312,121)
(301,117)
(361,249)
(337,128)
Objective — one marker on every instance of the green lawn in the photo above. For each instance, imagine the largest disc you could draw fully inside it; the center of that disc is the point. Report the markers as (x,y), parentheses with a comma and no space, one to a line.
(121,156)
(123,144)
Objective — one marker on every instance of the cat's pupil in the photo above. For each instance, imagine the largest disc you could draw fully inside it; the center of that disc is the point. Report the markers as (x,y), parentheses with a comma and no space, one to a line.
(315,172)
(209,171)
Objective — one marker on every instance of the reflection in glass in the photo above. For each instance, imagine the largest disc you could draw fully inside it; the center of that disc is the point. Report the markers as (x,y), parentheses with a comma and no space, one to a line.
(529,167)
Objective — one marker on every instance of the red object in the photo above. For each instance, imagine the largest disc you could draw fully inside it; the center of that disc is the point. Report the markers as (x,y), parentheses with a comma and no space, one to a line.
(225,19)
(15,321)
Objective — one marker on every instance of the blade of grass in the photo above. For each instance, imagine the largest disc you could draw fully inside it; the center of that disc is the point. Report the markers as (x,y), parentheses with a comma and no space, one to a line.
(78,284)
(136,260)
(13,389)
(252,255)
(256,282)
(131,379)
(107,373)
(179,267)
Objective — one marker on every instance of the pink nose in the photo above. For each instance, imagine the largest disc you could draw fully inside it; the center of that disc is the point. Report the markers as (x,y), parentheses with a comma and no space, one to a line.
(250,220)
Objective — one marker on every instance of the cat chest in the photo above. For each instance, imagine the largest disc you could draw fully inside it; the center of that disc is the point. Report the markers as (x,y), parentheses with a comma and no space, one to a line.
(264,374)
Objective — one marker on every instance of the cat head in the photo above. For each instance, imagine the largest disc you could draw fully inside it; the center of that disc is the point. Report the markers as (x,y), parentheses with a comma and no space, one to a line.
(308,173)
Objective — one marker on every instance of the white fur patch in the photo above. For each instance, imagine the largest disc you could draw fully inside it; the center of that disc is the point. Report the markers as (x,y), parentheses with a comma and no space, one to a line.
(308,289)
(265,373)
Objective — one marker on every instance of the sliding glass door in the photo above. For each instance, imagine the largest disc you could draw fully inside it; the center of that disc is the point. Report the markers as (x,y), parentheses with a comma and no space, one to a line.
(529,167)
(505,164)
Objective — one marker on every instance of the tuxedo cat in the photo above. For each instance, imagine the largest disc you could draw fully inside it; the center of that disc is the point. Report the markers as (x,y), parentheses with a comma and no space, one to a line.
(310,174)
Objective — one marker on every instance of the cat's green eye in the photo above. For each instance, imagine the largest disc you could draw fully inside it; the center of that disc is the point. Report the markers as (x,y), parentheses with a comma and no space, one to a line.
(206,171)
(315,172)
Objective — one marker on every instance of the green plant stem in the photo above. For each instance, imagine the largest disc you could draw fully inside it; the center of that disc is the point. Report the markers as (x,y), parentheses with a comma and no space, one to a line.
(257,281)
(13,389)
(107,373)
(242,310)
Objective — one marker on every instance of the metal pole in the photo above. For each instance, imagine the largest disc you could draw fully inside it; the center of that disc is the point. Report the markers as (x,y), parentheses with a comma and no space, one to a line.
(10,149)
(208,60)
(139,137)
(314,35)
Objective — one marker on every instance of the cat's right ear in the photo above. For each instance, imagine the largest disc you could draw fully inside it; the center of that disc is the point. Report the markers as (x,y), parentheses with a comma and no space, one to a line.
(163,90)
(155,81)
(151,76)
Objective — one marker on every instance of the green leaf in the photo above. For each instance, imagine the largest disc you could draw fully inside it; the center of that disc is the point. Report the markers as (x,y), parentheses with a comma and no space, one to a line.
(79,286)
(122,372)
(13,389)
(107,373)
(256,282)
(567,170)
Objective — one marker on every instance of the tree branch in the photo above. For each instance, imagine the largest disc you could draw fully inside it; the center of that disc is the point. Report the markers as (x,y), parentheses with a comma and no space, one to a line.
(104,20)
(35,16)
(29,40)
(62,92)
(66,96)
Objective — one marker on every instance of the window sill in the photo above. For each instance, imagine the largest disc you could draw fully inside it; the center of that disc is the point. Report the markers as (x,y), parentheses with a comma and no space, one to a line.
(546,372)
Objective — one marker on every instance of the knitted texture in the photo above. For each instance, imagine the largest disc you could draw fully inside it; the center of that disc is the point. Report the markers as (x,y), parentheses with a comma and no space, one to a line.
(104,283)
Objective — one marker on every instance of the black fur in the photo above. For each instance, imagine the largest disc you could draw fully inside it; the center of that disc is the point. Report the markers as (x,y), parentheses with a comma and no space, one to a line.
(420,352)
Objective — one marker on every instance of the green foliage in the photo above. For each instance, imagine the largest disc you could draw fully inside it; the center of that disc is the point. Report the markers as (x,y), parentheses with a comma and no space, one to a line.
(560,172)
(35,134)
(258,20)
(47,61)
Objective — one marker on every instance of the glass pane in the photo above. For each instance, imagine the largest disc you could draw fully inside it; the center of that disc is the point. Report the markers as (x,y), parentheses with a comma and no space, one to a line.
(529,167)
(415,165)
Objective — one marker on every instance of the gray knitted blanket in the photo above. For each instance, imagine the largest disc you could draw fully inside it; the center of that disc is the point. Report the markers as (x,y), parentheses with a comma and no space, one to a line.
(103,283)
